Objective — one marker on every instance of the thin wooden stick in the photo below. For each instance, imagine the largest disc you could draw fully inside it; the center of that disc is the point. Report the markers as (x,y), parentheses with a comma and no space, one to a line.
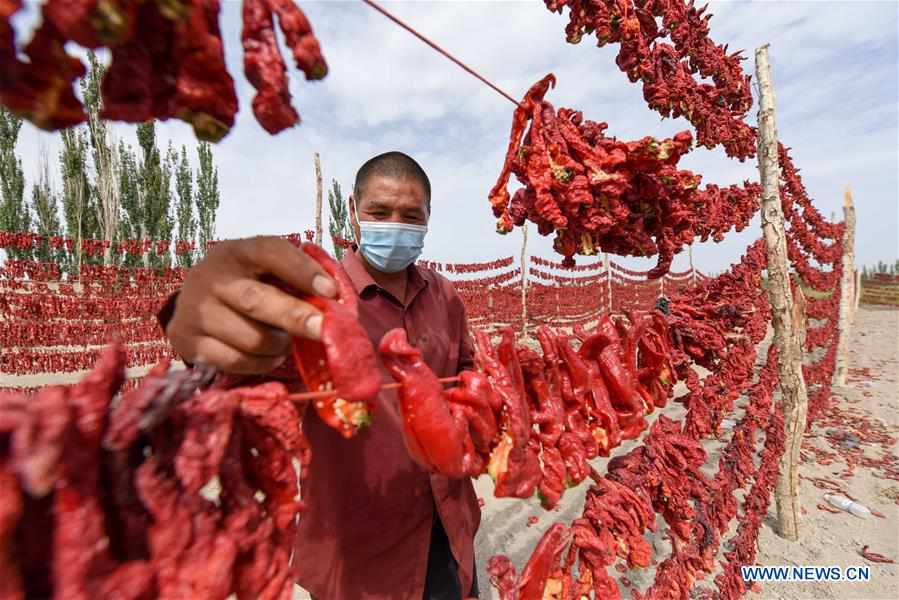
(692,268)
(605,257)
(524,282)
(303,396)
(318,200)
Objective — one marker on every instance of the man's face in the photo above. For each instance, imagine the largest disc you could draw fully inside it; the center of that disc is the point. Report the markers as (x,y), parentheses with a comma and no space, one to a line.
(391,200)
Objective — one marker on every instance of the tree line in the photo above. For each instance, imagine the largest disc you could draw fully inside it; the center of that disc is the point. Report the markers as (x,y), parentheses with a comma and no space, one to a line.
(109,190)
(881,268)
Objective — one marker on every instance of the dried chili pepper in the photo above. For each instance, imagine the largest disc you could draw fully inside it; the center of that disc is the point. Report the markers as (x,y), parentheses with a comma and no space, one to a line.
(265,69)
(475,393)
(93,23)
(431,433)
(875,557)
(344,360)
(552,484)
(41,89)
(204,93)
(142,77)
(513,465)
(300,39)
(535,580)
(11,509)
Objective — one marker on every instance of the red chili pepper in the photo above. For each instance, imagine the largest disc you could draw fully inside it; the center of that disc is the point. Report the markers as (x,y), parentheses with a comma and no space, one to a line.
(473,463)
(432,434)
(575,458)
(534,580)
(619,381)
(604,419)
(552,485)
(875,557)
(514,463)
(344,360)
(475,393)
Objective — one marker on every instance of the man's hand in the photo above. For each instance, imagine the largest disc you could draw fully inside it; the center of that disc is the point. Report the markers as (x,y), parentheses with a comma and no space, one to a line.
(226,316)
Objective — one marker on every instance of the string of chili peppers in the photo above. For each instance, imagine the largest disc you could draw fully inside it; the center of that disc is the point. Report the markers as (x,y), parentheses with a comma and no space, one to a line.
(167,62)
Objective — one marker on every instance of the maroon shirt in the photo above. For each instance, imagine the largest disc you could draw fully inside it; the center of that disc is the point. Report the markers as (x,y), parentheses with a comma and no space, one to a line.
(366,530)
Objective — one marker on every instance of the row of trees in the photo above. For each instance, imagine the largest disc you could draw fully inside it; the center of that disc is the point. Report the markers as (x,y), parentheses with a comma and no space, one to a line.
(110,190)
(881,267)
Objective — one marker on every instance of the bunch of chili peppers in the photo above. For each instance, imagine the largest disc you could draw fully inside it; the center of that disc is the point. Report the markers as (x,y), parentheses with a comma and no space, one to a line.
(533,421)
(668,71)
(103,500)
(716,325)
(167,61)
(628,198)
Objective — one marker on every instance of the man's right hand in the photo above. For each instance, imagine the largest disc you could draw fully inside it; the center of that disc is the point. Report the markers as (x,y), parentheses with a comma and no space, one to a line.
(226,316)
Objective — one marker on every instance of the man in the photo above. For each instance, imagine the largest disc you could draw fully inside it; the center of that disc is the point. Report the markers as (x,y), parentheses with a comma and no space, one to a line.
(377,526)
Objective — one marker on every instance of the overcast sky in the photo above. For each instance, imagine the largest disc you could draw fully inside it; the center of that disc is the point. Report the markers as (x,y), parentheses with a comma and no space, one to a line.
(835,76)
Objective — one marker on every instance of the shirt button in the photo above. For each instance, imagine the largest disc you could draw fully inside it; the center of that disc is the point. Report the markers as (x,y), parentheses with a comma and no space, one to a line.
(422,340)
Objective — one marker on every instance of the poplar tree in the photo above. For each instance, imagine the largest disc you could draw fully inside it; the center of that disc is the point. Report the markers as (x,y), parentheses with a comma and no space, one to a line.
(154,194)
(207,197)
(45,204)
(187,223)
(14,213)
(80,220)
(105,200)
(339,221)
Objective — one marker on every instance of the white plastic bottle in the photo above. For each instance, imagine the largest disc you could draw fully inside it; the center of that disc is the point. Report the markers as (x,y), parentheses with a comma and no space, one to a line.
(848,505)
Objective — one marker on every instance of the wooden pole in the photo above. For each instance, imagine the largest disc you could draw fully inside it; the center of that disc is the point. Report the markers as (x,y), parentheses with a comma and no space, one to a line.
(847,297)
(318,200)
(858,291)
(605,256)
(692,268)
(524,281)
(792,384)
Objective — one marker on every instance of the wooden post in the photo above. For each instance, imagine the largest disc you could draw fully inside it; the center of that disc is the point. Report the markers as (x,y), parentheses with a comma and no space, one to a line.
(605,256)
(792,384)
(318,200)
(858,292)
(692,268)
(847,297)
(558,308)
(524,281)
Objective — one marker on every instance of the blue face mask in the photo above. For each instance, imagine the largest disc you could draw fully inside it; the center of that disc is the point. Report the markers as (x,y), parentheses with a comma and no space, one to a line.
(391,247)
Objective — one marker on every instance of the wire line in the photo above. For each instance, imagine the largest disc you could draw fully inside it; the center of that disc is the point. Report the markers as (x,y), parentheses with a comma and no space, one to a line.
(433,45)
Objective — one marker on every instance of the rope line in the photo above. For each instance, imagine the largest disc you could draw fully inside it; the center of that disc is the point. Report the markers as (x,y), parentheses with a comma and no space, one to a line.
(433,45)
(303,396)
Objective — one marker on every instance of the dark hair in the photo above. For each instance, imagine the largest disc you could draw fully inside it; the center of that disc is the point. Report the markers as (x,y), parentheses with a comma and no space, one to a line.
(392,164)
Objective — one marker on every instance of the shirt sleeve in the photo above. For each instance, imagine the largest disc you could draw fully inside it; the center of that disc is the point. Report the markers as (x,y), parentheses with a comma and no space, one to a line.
(167,311)
(165,315)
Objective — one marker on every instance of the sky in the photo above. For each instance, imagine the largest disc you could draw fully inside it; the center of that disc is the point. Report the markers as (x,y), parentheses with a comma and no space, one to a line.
(835,74)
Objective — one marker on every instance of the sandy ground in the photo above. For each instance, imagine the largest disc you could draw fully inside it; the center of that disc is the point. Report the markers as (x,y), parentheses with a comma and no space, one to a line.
(870,398)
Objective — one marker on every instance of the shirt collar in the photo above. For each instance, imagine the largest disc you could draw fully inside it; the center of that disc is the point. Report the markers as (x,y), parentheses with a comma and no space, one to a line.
(362,279)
